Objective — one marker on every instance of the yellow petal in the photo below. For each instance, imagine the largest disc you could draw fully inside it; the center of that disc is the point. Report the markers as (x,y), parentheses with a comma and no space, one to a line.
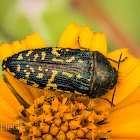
(125,122)
(69,38)
(33,41)
(115,55)
(28,93)
(85,38)
(5,51)
(99,43)
(7,113)
(17,47)
(6,136)
(5,93)
(131,99)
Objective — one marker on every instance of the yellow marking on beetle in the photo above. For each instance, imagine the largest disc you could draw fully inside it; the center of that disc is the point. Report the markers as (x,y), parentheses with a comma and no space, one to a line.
(51,85)
(27,74)
(29,52)
(36,55)
(20,57)
(26,80)
(5,59)
(35,84)
(67,91)
(46,70)
(23,80)
(43,55)
(40,69)
(32,69)
(40,75)
(88,80)
(59,90)
(18,68)
(4,66)
(27,65)
(57,60)
(54,51)
(25,70)
(71,59)
(79,76)
(80,61)
(53,76)
(12,73)
(76,92)
(68,74)
(67,50)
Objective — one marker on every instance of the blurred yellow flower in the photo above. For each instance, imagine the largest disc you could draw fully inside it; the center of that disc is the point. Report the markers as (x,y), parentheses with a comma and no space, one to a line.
(76,117)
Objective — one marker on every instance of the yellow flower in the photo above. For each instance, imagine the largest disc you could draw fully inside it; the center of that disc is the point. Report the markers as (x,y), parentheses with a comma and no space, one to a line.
(25,114)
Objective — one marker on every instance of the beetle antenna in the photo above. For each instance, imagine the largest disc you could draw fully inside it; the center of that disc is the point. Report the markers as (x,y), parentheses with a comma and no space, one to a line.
(118,70)
(117,61)
(120,61)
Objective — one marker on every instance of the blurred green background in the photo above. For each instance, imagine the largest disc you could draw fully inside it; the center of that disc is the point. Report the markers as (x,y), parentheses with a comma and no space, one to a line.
(49,18)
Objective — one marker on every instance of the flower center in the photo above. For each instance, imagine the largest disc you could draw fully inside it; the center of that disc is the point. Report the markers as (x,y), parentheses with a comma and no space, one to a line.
(62,118)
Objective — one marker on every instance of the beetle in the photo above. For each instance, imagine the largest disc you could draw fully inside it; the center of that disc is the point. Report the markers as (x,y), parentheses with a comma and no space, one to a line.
(64,69)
